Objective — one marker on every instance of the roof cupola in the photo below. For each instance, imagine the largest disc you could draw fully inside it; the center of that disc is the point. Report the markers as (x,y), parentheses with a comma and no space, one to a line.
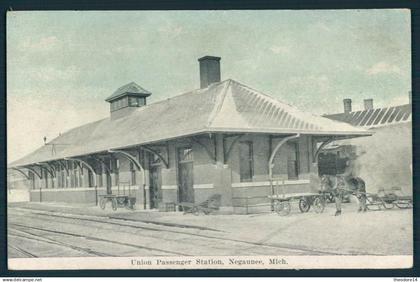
(126,99)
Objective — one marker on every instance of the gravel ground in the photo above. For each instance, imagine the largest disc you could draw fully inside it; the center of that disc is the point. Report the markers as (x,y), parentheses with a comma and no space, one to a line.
(385,232)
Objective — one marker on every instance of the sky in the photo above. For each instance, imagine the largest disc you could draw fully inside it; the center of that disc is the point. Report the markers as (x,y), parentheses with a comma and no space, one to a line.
(61,66)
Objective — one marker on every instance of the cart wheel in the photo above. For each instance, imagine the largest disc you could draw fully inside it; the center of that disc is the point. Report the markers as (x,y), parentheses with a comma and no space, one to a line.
(319,205)
(282,207)
(114,204)
(407,205)
(102,203)
(195,211)
(130,204)
(387,205)
(304,205)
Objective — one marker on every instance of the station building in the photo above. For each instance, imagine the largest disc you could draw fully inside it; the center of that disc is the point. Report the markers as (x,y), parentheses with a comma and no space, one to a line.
(224,138)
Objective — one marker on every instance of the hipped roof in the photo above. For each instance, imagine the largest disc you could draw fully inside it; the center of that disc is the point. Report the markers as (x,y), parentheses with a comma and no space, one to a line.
(227,106)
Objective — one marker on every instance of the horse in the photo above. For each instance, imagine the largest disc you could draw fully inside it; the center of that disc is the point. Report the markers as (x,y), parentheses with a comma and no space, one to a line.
(341,186)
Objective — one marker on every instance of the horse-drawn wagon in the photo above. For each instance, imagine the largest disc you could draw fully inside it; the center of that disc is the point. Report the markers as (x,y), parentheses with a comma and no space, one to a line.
(281,201)
(384,198)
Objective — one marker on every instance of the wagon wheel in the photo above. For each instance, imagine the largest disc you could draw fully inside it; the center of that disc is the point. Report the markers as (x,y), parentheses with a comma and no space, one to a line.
(102,203)
(131,204)
(195,211)
(121,201)
(319,205)
(282,207)
(128,205)
(207,211)
(304,205)
(114,204)
(388,205)
(405,205)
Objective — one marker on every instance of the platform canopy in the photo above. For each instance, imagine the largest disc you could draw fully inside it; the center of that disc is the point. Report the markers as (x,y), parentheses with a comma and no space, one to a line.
(225,107)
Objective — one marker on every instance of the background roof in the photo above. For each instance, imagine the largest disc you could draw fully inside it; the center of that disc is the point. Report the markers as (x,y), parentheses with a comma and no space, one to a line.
(375,117)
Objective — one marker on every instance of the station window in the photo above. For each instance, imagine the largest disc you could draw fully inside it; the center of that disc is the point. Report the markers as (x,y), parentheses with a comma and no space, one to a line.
(293,160)
(115,169)
(32,179)
(90,178)
(246,161)
(133,174)
(57,174)
(45,176)
(116,105)
(136,101)
(100,178)
(76,178)
(63,178)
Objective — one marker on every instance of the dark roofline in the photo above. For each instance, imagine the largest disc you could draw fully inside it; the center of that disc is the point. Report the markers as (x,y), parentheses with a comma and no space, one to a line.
(375,117)
(141,95)
(120,92)
(210,58)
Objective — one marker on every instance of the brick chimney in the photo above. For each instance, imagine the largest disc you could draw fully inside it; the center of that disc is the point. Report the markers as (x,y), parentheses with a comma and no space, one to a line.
(368,104)
(209,70)
(347,105)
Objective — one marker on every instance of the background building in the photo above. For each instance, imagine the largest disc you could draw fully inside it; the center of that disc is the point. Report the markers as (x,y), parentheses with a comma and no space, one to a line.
(18,187)
(385,159)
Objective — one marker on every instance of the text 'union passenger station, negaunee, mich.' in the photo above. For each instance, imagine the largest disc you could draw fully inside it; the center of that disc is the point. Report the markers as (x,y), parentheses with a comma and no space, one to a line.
(224,138)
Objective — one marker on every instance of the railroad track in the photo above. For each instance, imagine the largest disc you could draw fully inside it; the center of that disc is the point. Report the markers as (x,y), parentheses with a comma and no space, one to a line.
(166,224)
(92,238)
(247,244)
(34,237)
(21,251)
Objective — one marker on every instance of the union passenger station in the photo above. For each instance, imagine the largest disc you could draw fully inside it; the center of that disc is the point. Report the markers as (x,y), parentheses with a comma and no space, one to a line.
(225,138)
